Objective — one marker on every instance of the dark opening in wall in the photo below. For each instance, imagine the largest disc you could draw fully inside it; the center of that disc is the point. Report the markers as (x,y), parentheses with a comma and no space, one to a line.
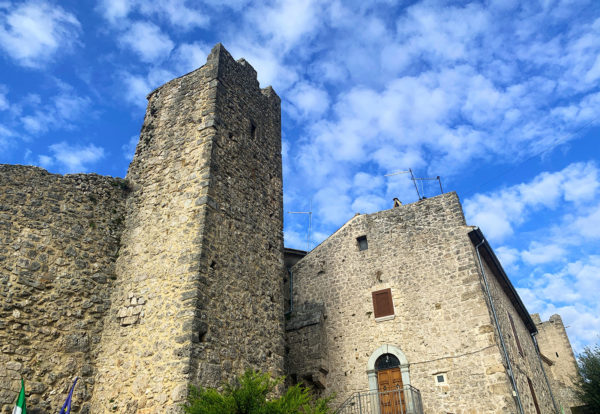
(362,243)
(252,130)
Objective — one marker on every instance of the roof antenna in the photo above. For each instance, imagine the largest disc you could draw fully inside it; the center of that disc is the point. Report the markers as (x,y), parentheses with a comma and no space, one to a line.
(309,212)
(439,180)
(412,177)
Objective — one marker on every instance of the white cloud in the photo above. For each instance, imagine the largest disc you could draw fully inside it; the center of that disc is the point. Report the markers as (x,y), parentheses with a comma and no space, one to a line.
(129,147)
(71,158)
(509,257)
(588,225)
(61,111)
(369,203)
(570,293)
(147,41)
(32,33)
(499,212)
(137,87)
(190,56)
(3,100)
(309,101)
(543,253)
(175,12)
(287,22)
(114,10)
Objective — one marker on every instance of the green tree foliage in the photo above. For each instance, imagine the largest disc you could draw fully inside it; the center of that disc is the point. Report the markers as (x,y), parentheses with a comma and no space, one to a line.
(589,384)
(249,394)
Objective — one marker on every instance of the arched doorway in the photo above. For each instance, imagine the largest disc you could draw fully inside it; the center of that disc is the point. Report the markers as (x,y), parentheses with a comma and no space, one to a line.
(388,375)
(390,386)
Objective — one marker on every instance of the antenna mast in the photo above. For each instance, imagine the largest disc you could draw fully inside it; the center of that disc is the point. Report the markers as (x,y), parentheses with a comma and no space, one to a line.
(414,180)
(412,177)
(309,212)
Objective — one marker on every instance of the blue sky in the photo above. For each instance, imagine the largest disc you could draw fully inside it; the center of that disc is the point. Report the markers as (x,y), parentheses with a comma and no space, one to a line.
(499,98)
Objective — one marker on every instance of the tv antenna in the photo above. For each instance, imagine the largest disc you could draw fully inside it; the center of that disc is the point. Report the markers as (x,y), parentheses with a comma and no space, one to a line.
(415,179)
(309,212)
(412,177)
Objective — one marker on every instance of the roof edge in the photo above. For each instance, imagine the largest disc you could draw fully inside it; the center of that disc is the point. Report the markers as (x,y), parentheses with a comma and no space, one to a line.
(477,237)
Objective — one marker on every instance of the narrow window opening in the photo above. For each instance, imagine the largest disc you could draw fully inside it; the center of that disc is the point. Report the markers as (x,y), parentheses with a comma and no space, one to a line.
(252,130)
(535,402)
(512,324)
(362,243)
(556,354)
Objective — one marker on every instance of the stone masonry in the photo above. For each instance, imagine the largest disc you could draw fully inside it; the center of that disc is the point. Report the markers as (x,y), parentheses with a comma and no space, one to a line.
(201,256)
(59,239)
(560,363)
(442,321)
(172,277)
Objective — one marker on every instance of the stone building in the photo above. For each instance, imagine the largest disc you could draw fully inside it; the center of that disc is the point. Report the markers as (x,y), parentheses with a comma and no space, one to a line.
(559,361)
(416,285)
(173,277)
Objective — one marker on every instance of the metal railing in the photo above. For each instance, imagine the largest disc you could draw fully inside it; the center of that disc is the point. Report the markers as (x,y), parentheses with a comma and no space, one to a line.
(405,400)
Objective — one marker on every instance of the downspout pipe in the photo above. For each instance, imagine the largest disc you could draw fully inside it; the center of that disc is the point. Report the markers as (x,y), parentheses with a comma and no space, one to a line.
(537,352)
(290,310)
(503,345)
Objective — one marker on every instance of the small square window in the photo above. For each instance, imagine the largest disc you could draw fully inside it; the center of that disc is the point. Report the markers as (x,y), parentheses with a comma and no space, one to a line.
(440,379)
(362,243)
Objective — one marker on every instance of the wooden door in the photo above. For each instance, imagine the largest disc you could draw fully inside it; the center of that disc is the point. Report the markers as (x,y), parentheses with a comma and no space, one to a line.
(391,395)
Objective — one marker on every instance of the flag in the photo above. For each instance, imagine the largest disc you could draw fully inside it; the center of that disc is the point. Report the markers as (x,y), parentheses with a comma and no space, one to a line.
(20,405)
(66,409)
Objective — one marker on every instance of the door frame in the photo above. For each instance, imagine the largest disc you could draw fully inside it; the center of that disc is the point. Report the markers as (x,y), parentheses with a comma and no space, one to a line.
(387,349)
(372,373)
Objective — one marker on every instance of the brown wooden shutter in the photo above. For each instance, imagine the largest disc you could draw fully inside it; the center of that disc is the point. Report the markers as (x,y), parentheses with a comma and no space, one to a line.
(382,303)
(512,324)
(535,402)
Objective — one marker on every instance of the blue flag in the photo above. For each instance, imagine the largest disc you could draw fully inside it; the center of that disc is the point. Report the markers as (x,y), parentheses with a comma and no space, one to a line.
(66,409)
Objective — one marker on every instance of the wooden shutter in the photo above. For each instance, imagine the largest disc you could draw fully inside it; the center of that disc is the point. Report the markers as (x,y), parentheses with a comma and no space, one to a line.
(382,303)
(512,324)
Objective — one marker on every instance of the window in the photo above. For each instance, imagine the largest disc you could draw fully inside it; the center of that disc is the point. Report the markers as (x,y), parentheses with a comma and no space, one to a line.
(383,306)
(535,402)
(252,130)
(386,361)
(440,379)
(512,324)
(362,243)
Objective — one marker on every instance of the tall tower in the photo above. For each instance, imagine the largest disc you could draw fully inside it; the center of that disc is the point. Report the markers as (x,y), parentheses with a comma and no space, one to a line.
(198,292)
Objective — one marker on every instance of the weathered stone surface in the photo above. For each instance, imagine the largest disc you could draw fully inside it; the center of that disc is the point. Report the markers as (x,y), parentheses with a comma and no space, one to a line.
(441,323)
(198,290)
(60,234)
(559,361)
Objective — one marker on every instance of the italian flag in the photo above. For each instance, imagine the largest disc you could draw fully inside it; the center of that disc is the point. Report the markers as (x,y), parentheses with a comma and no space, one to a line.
(20,406)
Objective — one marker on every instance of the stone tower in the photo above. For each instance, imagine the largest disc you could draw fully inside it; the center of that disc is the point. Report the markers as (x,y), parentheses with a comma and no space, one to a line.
(197,298)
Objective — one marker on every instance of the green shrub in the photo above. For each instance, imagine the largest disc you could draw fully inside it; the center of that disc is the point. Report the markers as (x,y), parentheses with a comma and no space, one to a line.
(249,394)
(589,383)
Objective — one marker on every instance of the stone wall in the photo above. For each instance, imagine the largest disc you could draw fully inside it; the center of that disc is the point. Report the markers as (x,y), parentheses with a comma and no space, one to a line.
(441,323)
(306,340)
(59,238)
(526,364)
(561,365)
(198,291)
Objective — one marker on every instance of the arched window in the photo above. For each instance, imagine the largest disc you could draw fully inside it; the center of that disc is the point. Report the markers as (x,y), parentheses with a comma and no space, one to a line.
(386,361)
